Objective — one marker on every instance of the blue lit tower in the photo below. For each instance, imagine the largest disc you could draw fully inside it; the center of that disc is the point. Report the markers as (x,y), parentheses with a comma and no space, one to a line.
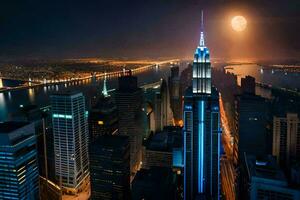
(70,130)
(201,130)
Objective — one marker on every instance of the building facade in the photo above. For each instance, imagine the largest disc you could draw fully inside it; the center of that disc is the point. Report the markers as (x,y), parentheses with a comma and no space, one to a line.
(110,168)
(19,174)
(129,100)
(263,179)
(286,139)
(70,130)
(201,130)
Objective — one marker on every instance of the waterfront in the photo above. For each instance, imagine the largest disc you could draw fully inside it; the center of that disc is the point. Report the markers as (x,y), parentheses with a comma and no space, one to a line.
(263,75)
(11,101)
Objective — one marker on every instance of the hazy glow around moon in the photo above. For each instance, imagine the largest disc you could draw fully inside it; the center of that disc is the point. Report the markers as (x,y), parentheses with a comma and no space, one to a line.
(239,23)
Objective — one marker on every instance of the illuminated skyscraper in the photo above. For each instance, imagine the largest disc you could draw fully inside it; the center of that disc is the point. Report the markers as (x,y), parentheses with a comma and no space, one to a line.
(70,130)
(201,130)
(19,174)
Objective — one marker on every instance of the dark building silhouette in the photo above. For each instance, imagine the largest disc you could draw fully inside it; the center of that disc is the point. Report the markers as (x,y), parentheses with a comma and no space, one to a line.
(129,100)
(110,168)
(174,90)
(252,121)
(103,118)
(248,85)
(157,183)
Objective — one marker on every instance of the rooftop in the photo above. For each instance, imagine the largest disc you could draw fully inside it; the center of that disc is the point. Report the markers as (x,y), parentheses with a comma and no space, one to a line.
(65,93)
(10,126)
(264,167)
(169,138)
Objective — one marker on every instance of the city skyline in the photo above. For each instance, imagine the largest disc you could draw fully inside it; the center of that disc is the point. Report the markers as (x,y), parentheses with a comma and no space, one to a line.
(153,100)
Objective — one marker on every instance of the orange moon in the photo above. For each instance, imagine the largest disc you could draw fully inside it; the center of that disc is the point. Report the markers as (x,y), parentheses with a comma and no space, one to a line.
(239,23)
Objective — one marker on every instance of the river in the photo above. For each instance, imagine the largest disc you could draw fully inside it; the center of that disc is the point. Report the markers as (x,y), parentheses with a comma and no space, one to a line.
(10,101)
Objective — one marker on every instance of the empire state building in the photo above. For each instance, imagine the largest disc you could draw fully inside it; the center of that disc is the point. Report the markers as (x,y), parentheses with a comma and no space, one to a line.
(201,130)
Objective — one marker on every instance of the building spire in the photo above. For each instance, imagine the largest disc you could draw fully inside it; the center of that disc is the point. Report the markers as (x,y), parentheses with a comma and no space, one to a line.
(202,43)
(104,91)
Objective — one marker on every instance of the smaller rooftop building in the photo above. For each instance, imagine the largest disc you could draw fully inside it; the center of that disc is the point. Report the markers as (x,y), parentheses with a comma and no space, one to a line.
(164,149)
(266,180)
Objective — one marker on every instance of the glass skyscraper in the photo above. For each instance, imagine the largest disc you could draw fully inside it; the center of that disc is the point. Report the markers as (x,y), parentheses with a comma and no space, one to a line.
(70,130)
(19,174)
(201,130)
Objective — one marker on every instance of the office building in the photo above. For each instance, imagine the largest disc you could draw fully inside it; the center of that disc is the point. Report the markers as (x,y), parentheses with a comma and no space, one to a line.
(110,168)
(103,117)
(19,174)
(286,139)
(252,121)
(70,131)
(157,183)
(201,130)
(263,179)
(129,100)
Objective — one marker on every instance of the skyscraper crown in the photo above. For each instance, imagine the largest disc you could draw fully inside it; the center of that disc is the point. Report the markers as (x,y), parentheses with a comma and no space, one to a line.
(202,42)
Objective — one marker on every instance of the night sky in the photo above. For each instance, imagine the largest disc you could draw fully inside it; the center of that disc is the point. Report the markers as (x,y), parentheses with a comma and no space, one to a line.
(147,29)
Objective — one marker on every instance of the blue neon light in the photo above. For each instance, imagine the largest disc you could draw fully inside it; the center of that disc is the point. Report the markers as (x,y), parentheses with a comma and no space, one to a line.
(184,156)
(200,147)
(188,107)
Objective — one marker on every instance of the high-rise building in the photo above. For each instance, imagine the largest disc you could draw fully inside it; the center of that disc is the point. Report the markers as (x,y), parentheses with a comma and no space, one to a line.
(103,117)
(129,99)
(70,130)
(201,130)
(174,88)
(263,179)
(19,174)
(286,139)
(110,167)
(252,126)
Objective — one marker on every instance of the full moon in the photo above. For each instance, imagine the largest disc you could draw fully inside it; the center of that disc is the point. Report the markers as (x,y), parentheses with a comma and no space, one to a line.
(239,23)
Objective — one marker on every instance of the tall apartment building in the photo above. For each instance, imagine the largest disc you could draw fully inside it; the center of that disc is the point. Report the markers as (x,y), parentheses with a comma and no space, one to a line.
(70,130)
